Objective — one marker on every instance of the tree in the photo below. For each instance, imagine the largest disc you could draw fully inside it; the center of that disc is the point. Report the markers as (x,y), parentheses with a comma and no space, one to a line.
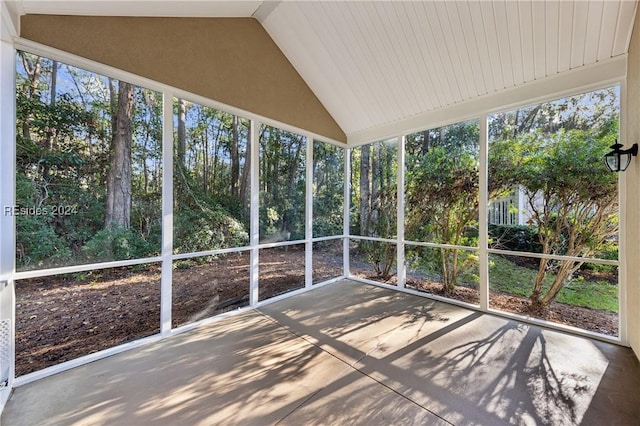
(374,169)
(245,193)
(553,152)
(328,189)
(89,161)
(442,191)
(570,195)
(49,155)
(118,203)
(32,66)
(209,211)
(282,184)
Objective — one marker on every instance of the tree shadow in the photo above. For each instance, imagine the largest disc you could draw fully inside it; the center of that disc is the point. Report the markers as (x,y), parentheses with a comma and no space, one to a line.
(212,372)
(509,374)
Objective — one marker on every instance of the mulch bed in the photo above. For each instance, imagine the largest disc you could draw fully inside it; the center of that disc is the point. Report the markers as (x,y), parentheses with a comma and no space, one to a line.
(598,321)
(63,317)
(588,319)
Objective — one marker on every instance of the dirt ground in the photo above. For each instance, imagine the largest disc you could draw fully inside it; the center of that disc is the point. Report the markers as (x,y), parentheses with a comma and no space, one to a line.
(64,317)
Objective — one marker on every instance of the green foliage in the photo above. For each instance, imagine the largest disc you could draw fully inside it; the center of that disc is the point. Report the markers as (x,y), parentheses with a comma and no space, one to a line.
(282,184)
(594,111)
(210,208)
(63,152)
(117,243)
(442,191)
(563,167)
(381,255)
(38,245)
(569,194)
(607,251)
(434,264)
(515,238)
(553,154)
(328,225)
(374,201)
(210,229)
(328,189)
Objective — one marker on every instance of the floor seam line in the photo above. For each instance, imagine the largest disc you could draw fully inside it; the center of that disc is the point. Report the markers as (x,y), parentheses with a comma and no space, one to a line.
(293,332)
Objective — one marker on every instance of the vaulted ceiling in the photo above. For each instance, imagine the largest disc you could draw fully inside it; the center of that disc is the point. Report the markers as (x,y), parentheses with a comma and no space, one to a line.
(374,63)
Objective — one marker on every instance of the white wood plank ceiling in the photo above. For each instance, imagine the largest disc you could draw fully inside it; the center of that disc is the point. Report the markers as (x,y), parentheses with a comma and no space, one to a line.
(378,64)
(375,63)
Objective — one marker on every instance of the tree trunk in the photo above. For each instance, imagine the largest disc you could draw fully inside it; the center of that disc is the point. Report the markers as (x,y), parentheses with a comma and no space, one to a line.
(445,270)
(235,158)
(453,280)
(364,190)
(425,142)
(113,106)
(244,185)
(537,286)
(567,268)
(389,172)
(33,70)
(48,143)
(217,168)
(182,133)
(205,162)
(376,183)
(272,184)
(118,205)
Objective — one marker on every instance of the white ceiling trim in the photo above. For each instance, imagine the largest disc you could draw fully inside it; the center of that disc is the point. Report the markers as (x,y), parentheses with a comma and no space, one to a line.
(9,20)
(580,80)
(160,8)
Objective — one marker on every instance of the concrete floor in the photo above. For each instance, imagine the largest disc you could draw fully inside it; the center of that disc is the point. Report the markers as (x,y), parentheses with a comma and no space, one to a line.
(347,353)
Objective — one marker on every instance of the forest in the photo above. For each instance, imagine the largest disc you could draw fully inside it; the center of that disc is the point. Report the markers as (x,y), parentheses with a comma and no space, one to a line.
(89,155)
(89,185)
(89,159)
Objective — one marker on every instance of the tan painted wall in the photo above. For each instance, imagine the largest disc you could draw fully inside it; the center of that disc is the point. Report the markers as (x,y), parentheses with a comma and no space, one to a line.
(230,60)
(632,192)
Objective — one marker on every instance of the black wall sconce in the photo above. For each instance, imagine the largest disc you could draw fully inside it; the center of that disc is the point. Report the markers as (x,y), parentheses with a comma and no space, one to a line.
(618,159)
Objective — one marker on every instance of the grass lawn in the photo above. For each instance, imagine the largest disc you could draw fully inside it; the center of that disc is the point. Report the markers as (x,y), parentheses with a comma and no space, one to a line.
(507,277)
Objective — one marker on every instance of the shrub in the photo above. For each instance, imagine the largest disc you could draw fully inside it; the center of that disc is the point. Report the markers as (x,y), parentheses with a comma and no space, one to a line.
(38,246)
(199,230)
(117,243)
(37,243)
(607,250)
(515,238)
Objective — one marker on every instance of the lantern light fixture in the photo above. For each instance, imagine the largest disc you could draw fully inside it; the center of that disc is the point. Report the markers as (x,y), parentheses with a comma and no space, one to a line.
(619,159)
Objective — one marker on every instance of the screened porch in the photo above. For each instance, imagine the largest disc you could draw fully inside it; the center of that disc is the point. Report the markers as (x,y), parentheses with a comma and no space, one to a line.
(277,207)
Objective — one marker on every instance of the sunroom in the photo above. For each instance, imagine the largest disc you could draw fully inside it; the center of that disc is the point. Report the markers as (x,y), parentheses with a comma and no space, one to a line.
(262,212)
